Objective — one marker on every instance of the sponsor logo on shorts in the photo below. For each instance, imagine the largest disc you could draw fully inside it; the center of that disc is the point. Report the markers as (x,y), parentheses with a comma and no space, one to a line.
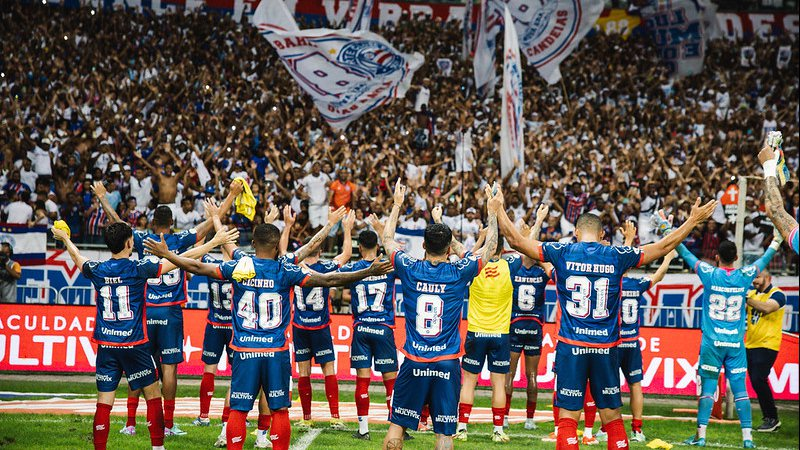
(727,344)
(474,362)
(209,354)
(358,358)
(589,350)
(324,352)
(502,363)
(613,390)
(710,368)
(162,322)
(570,392)
(100,377)
(170,351)
(632,344)
(445,419)
(302,351)
(139,374)
(241,396)
(406,412)
(368,330)
(428,348)
(251,355)
(525,331)
(532,347)
(738,370)
(488,335)
(384,361)
(633,373)
(432,373)
(276,393)
(590,331)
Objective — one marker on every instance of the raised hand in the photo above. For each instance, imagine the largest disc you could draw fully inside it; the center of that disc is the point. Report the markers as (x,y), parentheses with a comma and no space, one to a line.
(542,212)
(436,214)
(288,216)
(496,199)
(271,215)
(211,208)
(335,216)
(399,195)
(700,213)
(628,230)
(99,189)
(380,267)
(59,234)
(767,153)
(224,237)
(349,221)
(525,230)
(236,187)
(157,248)
(376,224)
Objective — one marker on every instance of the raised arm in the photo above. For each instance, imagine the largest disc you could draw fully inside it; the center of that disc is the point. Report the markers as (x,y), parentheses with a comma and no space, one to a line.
(529,246)
(347,243)
(455,245)
(77,258)
(331,279)
(628,230)
(288,222)
(662,269)
(225,237)
(783,221)
(389,244)
(160,249)
(206,226)
(333,218)
(669,242)
(490,247)
(541,215)
(763,262)
(100,191)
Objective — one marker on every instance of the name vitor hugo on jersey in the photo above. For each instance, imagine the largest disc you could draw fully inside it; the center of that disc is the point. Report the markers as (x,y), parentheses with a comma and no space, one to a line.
(120,285)
(724,300)
(169,288)
(633,290)
(588,277)
(262,304)
(371,299)
(529,289)
(220,297)
(433,296)
(311,309)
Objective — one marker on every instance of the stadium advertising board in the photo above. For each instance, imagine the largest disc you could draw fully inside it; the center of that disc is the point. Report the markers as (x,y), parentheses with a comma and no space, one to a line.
(58,339)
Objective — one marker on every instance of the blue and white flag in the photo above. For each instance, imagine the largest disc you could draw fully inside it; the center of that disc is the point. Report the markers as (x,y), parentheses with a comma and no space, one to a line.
(466,30)
(489,25)
(512,146)
(346,73)
(29,243)
(359,15)
(679,28)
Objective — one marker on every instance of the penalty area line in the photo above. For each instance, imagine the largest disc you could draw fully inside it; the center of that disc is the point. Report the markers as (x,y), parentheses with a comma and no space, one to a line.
(305,441)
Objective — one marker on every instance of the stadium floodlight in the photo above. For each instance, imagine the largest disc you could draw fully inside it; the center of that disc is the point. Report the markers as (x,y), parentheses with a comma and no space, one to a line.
(65,37)
(233,128)
(92,12)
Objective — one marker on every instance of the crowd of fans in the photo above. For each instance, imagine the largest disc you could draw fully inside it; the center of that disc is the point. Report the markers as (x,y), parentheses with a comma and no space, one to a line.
(127,98)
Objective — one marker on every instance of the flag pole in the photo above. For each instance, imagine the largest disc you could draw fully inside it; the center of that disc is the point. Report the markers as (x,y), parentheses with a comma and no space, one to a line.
(566,94)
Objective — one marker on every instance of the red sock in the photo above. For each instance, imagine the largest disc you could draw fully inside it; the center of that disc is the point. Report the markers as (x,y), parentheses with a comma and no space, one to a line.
(281,432)
(568,434)
(362,397)
(389,386)
(263,421)
(426,412)
(206,393)
(464,410)
(169,413)
(155,421)
(530,409)
(133,405)
(304,389)
(101,424)
(589,414)
(636,425)
(497,416)
(226,412)
(236,431)
(617,439)
(555,411)
(508,404)
(332,392)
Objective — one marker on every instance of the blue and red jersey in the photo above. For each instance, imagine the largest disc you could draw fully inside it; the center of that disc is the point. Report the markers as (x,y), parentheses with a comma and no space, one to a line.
(121,285)
(433,298)
(794,240)
(588,277)
(633,290)
(311,305)
(220,297)
(529,289)
(262,304)
(170,288)
(371,299)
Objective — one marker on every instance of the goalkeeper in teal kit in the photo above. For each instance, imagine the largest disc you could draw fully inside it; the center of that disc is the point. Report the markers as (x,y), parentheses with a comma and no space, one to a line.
(723,326)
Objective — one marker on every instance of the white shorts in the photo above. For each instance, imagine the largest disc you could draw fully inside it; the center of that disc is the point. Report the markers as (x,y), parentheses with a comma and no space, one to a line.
(317,215)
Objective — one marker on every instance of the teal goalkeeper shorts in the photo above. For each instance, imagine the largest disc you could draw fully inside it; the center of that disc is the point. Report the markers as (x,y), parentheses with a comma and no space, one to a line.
(713,358)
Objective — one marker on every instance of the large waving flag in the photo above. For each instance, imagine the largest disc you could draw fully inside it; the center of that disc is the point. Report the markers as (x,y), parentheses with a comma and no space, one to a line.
(346,73)
(512,149)
(679,29)
(359,15)
(491,20)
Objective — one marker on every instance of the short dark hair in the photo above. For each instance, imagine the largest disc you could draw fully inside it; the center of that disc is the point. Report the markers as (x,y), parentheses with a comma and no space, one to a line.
(162,216)
(589,221)
(727,252)
(116,235)
(437,238)
(266,235)
(368,239)
(10,249)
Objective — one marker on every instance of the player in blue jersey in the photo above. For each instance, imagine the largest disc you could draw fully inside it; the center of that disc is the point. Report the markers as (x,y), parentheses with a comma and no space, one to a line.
(165,295)
(588,277)
(433,296)
(372,345)
(527,317)
(263,286)
(120,330)
(723,325)
(311,330)
(783,221)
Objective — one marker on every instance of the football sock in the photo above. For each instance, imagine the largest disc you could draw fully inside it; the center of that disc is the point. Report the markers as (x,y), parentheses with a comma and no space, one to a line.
(169,413)
(155,421)
(236,433)
(567,434)
(100,425)
(304,390)
(332,392)
(206,393)
(264,421)
(617,439)
(281,433)
(133,405)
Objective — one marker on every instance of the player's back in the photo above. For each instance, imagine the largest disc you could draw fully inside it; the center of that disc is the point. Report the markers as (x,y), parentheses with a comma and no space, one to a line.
(311,305)
(220,298)
(170,288)
(490,297)
(120,285)
(632,299)
(529,293)
(433,295)
(371,299)
(588,278)
(724,302)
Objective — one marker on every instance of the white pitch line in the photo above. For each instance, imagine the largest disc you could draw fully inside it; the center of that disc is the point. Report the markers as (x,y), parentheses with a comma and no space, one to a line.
(305,441)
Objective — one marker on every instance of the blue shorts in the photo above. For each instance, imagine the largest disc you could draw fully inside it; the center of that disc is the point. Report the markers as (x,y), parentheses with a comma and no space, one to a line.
(252,372)
(495,349)
(630,361)
(215,340)
(713,359)
(578,364)
(136,362)
(313,343)
(526,336)
(373,342)
(165,331)
(437,384)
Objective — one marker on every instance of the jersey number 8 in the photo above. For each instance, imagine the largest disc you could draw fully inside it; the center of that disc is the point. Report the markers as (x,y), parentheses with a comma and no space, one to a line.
(429,315)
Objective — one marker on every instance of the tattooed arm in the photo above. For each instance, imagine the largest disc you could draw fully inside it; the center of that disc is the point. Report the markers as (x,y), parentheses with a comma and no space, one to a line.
(783,221)
(333,218)
(490,247)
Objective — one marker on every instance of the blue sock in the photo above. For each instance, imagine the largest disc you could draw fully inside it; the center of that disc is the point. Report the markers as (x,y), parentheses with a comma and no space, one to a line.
(706,403)
(742,401)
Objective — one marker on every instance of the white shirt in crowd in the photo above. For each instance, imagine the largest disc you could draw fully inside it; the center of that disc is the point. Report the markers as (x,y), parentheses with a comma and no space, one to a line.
(41,161)
(28,177)
(18,212)
(317,189)
(409,223)
(51,207)
(769,125)
(140,190)
(185,221)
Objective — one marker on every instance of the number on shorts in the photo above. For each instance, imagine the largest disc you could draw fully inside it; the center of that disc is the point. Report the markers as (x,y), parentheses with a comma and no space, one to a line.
(221,295)
(378,290)
(123,300)
(314,299)
(429,315)
(526,297)
(581,302)
(264,314)
(727,309)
